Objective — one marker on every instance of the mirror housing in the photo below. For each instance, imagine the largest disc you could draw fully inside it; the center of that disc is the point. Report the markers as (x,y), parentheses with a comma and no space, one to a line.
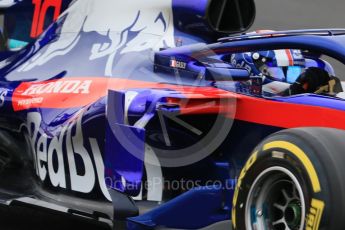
(231,16)
(213,18)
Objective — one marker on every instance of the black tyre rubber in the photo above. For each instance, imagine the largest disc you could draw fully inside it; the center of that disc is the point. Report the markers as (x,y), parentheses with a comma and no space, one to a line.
(312,157)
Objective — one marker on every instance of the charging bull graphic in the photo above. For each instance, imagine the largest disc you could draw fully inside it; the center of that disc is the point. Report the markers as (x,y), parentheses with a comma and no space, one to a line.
(144,30)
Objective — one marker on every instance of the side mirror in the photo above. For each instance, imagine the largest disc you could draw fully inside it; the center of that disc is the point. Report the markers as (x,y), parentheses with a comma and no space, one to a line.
(226,74)
(231,16)
(213,18)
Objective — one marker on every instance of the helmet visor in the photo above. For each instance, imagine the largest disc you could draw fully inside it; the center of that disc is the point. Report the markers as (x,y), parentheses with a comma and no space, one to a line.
(293,73)
(287,74)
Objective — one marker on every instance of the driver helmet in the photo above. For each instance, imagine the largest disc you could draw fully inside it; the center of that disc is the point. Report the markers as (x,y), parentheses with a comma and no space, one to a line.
(274,65)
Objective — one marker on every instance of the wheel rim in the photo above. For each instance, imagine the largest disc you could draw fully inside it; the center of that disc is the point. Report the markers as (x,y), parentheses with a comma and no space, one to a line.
(275,201)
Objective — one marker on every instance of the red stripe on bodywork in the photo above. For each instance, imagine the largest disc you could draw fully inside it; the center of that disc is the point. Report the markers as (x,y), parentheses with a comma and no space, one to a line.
(286,115)
(44,95)
(245,108)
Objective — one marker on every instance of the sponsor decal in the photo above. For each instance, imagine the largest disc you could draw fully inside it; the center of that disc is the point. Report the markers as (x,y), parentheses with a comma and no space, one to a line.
(30,102)
(65,155)
(65,93)
(178,64)
(242,64)
(315,214)
(3,95)
(65,86)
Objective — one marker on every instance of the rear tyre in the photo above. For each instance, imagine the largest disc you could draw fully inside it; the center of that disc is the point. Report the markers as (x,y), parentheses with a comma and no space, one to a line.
(294,180)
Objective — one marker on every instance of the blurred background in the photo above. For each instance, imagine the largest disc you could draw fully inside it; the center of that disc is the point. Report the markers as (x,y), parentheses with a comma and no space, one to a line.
(299,14)
(302,14)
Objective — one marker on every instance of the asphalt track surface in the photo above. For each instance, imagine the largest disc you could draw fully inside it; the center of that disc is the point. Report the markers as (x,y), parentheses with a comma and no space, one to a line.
(271,14)
(27,219)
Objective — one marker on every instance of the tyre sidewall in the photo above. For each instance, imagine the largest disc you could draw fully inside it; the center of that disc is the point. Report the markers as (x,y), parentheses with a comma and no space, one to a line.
(263,159)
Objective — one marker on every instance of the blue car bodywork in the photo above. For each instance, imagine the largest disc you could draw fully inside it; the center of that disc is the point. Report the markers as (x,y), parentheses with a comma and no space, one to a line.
(81,110)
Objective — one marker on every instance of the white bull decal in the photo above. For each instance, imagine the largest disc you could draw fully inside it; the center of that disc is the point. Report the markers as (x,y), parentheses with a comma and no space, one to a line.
(128,26)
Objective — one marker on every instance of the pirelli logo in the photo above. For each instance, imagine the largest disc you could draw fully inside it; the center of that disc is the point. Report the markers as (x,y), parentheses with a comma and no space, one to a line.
(315,214)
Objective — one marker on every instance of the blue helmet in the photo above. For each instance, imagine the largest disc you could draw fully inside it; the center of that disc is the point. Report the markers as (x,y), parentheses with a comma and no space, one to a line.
(275,65)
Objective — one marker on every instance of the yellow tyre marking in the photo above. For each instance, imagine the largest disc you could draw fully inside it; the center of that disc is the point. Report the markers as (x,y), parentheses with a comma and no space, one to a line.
(301,156)
(315,214)
(245,169)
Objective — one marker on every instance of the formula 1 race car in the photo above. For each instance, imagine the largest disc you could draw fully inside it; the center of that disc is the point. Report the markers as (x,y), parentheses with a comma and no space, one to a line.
(148,115)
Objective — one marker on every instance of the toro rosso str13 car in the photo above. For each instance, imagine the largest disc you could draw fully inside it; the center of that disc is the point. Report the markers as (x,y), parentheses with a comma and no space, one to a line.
(147,115)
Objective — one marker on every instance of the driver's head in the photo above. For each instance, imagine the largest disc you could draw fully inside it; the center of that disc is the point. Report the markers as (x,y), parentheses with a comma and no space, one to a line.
(276,65)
